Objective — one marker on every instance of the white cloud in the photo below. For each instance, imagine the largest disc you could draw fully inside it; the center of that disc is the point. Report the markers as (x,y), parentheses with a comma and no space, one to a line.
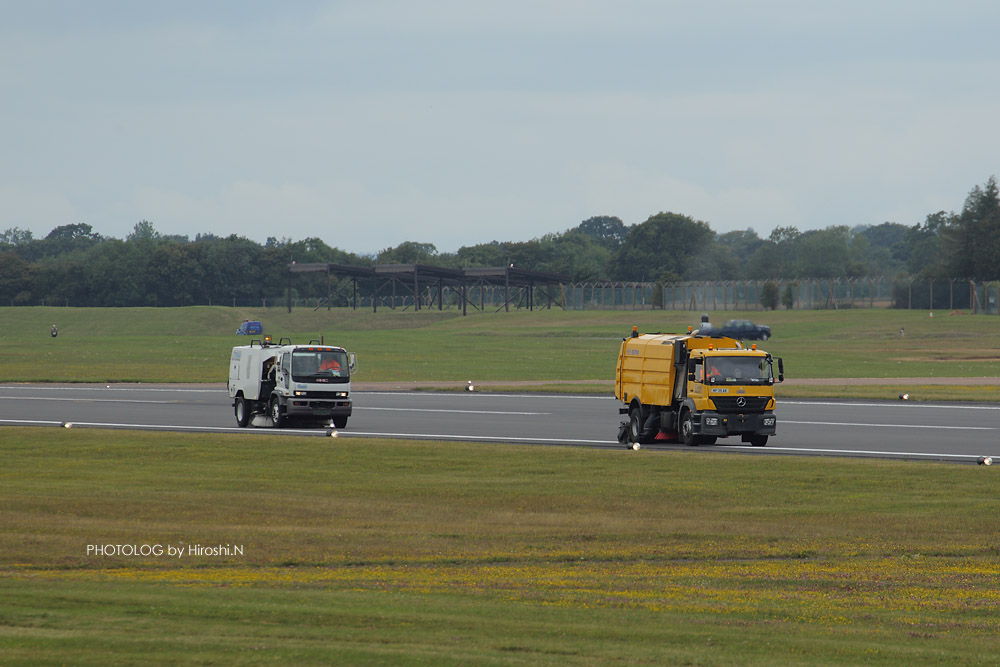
(454,123)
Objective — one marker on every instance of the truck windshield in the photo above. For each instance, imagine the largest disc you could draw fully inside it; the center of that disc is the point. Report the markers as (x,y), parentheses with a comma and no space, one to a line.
(319,366)
(738,370)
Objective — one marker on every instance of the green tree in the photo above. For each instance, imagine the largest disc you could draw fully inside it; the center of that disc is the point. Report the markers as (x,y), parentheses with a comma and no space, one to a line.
(15,279)
(741,246)
(489,254)
(177,272)
(409,252)
(663,245)
(926,251)
(606,230)
(769,295)
(577,255)
(788,297)
(824,253)
(60,241)
(143,231)
(777,256)
(973,237)
(715,261)
(15,236)
(891,236)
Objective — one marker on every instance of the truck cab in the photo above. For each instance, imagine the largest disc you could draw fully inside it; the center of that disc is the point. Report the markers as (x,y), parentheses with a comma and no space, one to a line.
(729,392)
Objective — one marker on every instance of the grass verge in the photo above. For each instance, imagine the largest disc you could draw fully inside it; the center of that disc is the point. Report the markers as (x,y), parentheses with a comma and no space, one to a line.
(447,553)
(193,344)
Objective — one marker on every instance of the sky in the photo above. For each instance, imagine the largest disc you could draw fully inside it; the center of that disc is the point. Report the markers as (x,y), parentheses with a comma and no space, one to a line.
(369,123)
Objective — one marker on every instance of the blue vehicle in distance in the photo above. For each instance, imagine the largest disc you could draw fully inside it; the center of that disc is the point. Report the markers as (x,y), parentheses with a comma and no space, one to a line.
(250,328)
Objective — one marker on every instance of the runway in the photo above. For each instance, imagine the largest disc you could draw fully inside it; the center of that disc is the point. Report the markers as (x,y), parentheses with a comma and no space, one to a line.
(882,429)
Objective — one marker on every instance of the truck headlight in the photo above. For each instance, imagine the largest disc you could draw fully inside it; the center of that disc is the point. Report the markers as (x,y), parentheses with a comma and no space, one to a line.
(768,421)
(300,393)
(711,421)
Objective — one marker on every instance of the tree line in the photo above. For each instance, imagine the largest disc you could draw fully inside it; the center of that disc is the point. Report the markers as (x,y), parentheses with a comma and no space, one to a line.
(75,266)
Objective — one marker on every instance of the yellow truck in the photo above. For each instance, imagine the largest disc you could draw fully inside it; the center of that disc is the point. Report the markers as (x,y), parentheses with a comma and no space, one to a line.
(695,388)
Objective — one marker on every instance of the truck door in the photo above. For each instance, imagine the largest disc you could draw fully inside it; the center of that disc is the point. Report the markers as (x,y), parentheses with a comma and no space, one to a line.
(284,371)
(696,375)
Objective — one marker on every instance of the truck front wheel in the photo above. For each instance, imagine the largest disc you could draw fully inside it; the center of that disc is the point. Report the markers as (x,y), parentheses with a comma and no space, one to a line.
(634,425)
(339,422)
(242,412)
(758,440)
(275,411)
(687,430)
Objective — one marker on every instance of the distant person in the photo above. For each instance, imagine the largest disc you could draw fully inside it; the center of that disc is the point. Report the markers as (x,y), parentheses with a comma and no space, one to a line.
(55,331)
(705,326)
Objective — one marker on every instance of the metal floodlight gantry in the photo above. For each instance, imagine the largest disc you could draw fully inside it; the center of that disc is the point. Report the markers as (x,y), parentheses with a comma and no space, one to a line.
(412,281)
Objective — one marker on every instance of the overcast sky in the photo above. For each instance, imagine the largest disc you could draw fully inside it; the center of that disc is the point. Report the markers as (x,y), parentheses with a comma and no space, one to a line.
(455,122)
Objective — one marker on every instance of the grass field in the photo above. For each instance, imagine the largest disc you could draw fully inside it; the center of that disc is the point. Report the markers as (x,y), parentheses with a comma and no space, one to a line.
(193,345)
(444,553)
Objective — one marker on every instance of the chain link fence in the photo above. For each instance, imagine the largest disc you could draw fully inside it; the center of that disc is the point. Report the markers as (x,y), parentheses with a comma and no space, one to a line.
(927,294)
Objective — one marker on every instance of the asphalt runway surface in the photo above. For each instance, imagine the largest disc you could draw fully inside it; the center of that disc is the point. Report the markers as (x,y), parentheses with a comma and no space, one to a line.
(958,433)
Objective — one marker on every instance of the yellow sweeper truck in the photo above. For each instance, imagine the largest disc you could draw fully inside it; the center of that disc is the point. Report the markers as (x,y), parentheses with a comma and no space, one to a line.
(694,388)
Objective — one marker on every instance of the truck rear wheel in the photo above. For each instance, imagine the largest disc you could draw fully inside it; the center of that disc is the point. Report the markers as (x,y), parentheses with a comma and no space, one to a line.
(275,411)
(242,412)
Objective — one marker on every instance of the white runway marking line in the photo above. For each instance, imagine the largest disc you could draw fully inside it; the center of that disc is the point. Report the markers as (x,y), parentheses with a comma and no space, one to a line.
(474,438)
(82,400)
(29,421)
(868,452)
(947,428)
(891,404)
(233,429)
(452,395)
(136,388)
(467,412)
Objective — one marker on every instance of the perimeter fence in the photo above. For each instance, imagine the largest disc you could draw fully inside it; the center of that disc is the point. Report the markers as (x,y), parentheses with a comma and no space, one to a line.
(943,294)
(875,292)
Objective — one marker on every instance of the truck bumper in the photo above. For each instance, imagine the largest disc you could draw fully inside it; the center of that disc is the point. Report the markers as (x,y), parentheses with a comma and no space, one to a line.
(317,408)
(721,425)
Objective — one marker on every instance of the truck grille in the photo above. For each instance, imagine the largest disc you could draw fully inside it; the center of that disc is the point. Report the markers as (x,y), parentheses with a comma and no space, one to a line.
(753,404)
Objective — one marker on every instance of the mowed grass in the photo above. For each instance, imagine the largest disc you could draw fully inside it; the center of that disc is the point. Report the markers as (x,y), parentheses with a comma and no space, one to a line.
(552,346)
(366,551)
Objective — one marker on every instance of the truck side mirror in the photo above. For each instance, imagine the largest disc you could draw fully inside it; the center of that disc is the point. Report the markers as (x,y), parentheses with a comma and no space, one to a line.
(352,363)
(781,370)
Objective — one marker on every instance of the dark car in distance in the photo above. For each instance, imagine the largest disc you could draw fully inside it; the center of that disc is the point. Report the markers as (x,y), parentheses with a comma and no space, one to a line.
(743,330)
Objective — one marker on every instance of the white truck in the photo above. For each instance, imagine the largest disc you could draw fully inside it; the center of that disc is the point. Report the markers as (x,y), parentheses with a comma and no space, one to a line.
(291,382)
